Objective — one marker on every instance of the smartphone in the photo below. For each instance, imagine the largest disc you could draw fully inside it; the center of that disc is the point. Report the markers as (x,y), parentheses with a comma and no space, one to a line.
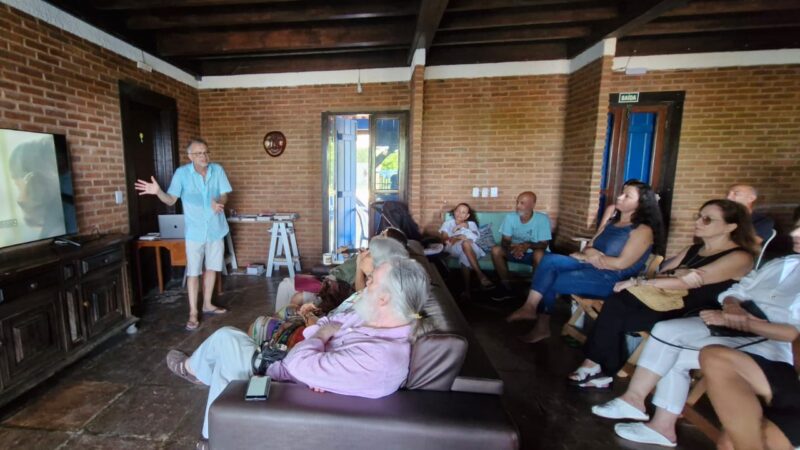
(258,388)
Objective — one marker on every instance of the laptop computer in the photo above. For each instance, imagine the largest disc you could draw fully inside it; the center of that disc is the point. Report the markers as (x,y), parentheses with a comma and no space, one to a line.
(171,226)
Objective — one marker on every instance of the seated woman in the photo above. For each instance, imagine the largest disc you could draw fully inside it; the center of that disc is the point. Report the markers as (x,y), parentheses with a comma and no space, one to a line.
(459,235)
(618,251)
(702,270)
(287,324)
(674,345)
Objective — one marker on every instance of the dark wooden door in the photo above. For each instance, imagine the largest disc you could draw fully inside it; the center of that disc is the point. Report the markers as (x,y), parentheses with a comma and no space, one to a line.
(102,302)
(140,134)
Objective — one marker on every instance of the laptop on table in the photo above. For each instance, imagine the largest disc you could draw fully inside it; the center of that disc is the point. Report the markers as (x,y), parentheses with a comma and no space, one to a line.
(171,226)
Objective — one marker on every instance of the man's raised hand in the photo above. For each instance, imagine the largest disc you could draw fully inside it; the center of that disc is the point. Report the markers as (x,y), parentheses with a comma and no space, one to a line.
(144,187)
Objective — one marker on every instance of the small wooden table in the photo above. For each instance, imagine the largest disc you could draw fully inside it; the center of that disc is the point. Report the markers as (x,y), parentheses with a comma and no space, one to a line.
(177,257)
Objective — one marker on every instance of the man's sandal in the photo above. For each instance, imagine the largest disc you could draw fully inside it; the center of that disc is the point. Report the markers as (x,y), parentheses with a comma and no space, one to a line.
(176,362)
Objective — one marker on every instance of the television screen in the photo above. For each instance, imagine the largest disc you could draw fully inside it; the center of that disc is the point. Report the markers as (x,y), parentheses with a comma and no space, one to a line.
(36,197)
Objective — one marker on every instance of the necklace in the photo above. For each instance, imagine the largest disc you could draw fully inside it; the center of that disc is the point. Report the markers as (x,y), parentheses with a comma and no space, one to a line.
(696,260)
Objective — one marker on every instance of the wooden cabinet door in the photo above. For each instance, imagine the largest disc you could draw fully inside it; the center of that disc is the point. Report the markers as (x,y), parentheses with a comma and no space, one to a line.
(102,301)
(32,336)
(74,326)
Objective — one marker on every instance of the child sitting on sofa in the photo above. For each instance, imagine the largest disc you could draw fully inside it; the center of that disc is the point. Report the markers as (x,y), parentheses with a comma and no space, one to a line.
(459,235)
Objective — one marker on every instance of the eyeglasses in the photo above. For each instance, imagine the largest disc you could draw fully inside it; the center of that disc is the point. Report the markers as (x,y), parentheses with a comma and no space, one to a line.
(201,153)
(705,219)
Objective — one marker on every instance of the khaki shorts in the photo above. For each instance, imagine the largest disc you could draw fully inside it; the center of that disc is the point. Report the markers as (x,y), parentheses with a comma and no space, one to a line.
(212,252)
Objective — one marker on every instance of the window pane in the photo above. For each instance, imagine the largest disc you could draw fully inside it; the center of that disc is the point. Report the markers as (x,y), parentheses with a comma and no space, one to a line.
(387,154)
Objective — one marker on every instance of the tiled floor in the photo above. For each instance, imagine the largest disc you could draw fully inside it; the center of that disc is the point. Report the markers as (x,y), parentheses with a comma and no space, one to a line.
(123,397)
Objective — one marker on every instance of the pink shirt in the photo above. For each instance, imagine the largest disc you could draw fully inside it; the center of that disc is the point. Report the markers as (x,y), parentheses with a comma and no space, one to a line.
(357,360)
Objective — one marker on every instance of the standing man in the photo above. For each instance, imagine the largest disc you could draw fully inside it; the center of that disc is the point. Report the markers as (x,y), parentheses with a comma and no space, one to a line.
(747,195)
(526,234)
(203,188)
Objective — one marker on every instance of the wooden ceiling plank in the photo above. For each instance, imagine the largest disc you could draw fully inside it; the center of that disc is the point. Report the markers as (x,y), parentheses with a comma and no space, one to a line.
(162,4)
(710,7)
(278,64)
(496,53)
(283,39)
(519,17)
(481,5)
(717,24)
(711,42)
(260,15)
(430,14)
(511,35)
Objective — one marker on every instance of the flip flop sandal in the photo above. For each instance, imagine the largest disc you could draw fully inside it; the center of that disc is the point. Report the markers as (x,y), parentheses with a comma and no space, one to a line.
(192,325)
(215,312)
(584,373)
(597,381)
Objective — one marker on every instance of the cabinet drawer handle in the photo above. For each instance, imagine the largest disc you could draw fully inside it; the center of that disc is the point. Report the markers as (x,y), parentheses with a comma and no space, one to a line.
(2,297)
(34,285)
(106,260)
(85,304)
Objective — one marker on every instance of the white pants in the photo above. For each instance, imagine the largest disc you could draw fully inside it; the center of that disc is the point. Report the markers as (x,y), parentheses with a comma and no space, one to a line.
(673,363)
(227,355)
(286,292)
(457,250)
(196,252)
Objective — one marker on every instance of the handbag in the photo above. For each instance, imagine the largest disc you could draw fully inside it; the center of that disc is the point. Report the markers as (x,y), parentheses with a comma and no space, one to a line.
(749,306)
(659,299)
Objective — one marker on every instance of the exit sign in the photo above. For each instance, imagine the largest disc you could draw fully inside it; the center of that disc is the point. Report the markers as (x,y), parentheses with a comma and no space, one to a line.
(628,97)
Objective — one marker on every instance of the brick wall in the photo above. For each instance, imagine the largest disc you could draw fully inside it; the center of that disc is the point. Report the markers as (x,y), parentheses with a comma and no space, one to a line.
(740,125)
(234,121)
(505,132)
(54,82)
(584,131)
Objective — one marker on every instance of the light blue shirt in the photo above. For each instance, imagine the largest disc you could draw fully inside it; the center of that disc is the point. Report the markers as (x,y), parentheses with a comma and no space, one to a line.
(202,223)
(535,230)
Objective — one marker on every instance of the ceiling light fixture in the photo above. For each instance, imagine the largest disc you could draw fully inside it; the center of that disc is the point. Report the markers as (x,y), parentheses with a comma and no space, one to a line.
(359,89)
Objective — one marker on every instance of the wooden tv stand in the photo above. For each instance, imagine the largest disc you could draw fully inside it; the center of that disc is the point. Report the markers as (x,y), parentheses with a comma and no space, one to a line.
(58,302)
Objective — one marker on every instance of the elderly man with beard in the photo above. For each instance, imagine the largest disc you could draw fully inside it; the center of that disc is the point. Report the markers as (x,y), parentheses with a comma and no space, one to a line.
(363,353)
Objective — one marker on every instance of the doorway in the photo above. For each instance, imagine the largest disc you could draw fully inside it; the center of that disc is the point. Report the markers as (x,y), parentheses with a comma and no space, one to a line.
(150,140)
(364,161)
(642,143)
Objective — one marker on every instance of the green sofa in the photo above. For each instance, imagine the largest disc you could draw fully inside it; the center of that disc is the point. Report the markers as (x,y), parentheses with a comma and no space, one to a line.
(496,219)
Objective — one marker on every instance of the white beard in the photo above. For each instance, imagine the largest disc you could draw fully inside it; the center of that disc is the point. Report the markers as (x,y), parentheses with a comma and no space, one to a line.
(364,306)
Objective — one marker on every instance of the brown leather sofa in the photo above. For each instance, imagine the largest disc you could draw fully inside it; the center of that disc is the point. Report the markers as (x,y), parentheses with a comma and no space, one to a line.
(451,400)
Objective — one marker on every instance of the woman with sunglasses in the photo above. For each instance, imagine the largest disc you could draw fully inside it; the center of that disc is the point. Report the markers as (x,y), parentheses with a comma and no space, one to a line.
(724,255)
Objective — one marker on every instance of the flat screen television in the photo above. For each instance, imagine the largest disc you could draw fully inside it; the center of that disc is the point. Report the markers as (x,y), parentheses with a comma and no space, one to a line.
(36,192)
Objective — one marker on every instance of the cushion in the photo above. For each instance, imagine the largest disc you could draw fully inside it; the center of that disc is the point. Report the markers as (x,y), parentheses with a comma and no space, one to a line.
(485,239)
(307,283)
(436,360)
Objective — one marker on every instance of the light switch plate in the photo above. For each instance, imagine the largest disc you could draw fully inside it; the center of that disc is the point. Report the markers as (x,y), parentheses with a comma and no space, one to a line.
(485,192)
(118,197)
(493,191)
(476,192)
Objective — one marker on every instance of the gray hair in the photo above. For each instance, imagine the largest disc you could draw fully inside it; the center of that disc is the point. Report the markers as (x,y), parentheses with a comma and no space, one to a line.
(409,287)
(382,248)
(195,140)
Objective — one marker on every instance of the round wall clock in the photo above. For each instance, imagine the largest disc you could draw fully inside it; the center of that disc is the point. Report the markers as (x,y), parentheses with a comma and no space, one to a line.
(274,143)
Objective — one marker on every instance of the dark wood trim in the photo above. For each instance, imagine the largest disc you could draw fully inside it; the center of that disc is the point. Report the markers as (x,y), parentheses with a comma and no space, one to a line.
(728,23)
(524,16)
(327,60)
(710,42)
(161,4)
(506,35)
(496,53)
(711,7)
(430,14)
(478,5)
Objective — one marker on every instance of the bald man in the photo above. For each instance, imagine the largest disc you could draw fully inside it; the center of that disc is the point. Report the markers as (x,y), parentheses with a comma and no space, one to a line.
(526,234)
(747,195)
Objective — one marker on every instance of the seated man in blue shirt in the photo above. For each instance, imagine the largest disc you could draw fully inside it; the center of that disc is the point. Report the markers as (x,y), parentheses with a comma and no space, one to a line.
(526,234)
(203,189)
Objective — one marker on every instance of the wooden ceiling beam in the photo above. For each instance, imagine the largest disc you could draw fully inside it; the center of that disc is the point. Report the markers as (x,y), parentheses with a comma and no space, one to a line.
(722,23)
(261,15)
(711,42)
(305,63)
(285,39)
(520,17)
(430,14)
(637,13)
(496,53)
(510,35)
(171,4)
(481,5)
(710,7)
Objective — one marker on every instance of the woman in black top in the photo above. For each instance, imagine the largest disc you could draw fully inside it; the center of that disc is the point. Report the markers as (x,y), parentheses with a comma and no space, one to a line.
(724,255)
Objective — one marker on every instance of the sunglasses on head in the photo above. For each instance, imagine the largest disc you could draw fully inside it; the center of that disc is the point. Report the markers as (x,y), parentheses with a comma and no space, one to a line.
(703,218)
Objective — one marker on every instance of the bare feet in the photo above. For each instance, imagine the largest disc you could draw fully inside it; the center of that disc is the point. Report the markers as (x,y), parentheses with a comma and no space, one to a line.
(539,332)
(525,312)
